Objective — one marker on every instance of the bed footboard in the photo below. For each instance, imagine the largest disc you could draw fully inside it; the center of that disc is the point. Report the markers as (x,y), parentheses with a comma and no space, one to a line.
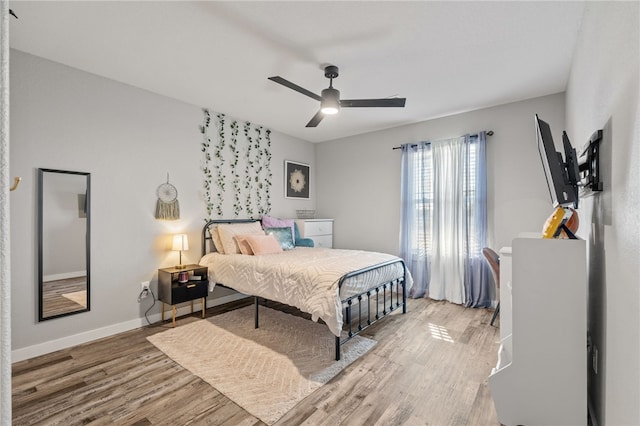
(365,315)
(381,296)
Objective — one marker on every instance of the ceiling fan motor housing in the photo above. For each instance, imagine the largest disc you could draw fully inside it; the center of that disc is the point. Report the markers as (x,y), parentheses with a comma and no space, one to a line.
(330,103)
(331,94)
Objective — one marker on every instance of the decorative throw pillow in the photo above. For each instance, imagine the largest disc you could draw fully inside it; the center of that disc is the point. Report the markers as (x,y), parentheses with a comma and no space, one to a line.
(283,235)
(228,231)
(215,237)
(263,244)
(299,241)
(272,222)
(243,244)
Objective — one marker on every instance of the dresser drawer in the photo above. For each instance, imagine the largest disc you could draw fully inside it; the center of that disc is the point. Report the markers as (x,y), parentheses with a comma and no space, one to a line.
(323,241)
(313,228)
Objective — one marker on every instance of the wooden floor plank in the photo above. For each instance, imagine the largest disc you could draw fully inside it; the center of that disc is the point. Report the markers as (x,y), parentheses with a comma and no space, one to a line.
(429,367)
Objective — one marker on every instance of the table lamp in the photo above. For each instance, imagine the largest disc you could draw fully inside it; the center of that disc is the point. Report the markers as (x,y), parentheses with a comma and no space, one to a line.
(180,243)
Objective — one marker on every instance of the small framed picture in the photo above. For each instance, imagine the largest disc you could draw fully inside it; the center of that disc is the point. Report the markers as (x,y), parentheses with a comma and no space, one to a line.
(296,180)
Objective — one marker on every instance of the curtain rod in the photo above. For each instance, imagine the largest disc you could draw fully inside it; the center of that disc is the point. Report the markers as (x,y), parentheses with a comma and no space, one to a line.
(489,133)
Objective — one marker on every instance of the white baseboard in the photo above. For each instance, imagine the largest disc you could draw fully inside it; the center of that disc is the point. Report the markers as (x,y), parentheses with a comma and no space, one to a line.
(88,336)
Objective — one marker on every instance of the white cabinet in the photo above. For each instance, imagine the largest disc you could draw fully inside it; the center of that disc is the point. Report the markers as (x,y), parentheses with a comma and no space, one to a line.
(319,230)
(505,293)
(541,375)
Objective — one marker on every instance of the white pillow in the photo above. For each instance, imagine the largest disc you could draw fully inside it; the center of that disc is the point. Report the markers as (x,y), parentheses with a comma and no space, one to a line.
(227,232)
(215,237)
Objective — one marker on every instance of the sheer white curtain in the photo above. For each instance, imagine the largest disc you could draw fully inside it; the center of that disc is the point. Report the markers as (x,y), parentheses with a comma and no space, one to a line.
(443,222)
(448,218)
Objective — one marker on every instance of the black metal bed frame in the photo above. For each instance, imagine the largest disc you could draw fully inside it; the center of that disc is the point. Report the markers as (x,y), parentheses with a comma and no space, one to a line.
(347,303)
(372,294)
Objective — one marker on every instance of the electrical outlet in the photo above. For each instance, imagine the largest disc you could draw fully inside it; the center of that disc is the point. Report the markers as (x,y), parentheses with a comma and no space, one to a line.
(144,289)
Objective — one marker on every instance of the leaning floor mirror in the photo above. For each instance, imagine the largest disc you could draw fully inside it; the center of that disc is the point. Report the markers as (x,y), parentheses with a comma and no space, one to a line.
(64,219)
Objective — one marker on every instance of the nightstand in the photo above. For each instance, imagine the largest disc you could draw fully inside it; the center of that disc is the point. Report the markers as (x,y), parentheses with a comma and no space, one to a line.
(173,292)
(319,230)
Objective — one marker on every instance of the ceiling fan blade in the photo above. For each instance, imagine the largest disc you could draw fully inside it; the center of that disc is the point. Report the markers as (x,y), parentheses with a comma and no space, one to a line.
(315,120)
(386,102)
(295,87)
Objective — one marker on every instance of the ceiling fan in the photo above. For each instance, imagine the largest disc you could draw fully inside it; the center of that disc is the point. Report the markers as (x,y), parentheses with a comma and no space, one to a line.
(330,101)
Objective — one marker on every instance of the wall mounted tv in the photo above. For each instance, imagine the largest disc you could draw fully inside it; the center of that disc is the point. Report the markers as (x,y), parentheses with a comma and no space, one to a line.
(562,175)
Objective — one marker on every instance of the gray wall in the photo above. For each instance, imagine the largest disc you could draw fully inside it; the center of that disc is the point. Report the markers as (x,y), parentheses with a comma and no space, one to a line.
(603,94)
(359,177)
(128,139)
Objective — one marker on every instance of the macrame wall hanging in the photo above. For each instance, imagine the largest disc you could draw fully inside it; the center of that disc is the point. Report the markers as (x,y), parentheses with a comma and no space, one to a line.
(167,206)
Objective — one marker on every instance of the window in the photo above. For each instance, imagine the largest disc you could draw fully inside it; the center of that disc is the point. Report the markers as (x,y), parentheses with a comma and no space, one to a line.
(422,163)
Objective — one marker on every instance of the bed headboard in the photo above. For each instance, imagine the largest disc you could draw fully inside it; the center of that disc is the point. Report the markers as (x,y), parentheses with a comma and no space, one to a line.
(207,241)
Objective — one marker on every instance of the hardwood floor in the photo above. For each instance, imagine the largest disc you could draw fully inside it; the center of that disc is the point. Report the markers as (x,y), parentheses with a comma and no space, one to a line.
(430,367)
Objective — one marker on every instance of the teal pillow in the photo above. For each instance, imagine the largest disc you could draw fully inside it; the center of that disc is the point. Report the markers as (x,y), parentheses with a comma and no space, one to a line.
(299,241)
(283,235)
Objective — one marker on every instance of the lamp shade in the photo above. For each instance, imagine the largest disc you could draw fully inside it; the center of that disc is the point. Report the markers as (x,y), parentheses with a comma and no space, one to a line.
(180,242)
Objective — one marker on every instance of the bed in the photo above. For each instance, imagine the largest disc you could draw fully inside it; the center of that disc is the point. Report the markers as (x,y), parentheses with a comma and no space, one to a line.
(349,290)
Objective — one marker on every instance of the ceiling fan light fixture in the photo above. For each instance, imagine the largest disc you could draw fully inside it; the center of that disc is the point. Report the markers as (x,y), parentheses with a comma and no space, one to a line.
(330,103)
(329,110)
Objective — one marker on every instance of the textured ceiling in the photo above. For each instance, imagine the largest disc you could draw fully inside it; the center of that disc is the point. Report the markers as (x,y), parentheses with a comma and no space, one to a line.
(444,57)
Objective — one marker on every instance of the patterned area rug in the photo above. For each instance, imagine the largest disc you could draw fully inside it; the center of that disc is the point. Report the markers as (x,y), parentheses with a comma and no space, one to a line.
(79,297)
(267,370)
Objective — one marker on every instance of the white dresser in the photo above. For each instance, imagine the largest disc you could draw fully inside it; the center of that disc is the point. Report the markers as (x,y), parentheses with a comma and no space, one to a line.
(319,230)
(541,375)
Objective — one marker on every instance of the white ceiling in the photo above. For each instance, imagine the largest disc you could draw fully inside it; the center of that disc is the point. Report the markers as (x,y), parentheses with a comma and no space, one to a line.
(444,57)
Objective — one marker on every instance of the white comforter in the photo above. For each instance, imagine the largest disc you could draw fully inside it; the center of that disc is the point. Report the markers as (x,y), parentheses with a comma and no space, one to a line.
(306,278)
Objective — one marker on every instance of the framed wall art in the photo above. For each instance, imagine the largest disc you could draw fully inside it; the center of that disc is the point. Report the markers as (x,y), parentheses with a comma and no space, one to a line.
(296,180)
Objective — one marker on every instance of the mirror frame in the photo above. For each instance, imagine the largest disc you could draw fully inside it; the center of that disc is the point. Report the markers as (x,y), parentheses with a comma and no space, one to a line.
(41,173)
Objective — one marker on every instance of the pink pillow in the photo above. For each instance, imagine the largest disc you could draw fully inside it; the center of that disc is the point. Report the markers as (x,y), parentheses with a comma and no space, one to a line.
(227,232)
(272,222)
(263,244)
(243,244)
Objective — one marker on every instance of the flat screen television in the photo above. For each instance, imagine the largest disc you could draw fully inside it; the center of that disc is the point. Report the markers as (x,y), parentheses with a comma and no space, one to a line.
(562,176)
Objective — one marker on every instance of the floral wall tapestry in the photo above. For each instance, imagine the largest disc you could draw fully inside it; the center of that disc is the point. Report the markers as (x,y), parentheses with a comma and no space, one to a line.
(236,166)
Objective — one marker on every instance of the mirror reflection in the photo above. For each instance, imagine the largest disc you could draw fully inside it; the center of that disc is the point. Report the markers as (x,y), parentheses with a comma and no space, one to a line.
(63,246)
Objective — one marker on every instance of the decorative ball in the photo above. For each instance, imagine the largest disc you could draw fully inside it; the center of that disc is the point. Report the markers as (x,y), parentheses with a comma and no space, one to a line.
(573,223)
